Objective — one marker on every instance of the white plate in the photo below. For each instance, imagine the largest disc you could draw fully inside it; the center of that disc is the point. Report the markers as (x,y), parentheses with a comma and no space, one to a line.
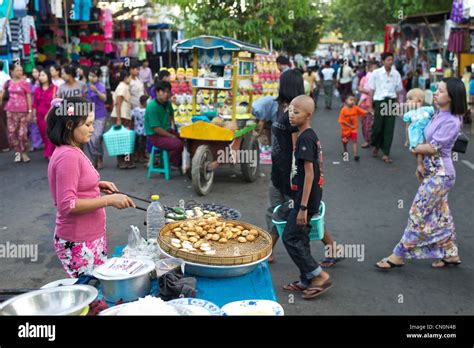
(198,306)
(60,282)
(253,307)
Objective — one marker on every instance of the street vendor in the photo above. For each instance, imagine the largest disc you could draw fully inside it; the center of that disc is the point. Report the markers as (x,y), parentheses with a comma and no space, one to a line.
(159,124)
(80,232)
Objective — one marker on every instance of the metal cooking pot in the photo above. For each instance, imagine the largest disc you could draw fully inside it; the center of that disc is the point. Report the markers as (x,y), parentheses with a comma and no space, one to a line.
(127,288)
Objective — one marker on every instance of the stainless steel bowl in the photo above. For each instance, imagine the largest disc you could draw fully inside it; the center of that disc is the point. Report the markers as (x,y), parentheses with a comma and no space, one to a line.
(63,300)
(211,271)
(129,288)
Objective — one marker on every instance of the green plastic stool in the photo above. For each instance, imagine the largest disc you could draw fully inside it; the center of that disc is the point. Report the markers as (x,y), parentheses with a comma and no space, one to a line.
(165,162)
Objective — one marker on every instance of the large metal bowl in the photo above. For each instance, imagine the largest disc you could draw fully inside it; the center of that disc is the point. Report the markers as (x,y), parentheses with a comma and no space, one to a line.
(63,300)
(211,271)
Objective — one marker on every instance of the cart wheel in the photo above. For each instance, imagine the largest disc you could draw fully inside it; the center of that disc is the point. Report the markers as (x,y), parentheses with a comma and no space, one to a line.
(202,174)
(250,144)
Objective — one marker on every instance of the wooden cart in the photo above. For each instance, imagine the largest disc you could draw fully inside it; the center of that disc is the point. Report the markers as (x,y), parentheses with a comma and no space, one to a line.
(205,141)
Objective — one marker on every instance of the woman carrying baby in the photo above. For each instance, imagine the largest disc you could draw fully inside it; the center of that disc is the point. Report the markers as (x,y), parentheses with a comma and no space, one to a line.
(430,230)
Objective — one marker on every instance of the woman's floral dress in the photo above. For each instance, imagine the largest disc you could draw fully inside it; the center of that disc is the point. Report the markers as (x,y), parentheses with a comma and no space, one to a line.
(430,231)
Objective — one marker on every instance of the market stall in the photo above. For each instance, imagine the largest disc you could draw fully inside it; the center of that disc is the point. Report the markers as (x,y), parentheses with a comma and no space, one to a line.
(209,264)
(228,68)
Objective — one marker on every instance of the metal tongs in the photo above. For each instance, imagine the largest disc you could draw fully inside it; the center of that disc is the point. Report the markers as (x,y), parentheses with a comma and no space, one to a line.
(138,198)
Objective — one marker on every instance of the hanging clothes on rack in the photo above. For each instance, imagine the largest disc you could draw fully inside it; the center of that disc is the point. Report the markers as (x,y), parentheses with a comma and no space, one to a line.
(5,34)
(82,10)
(141,50)
(137,33)
(43,7)
(144,28)
(108,48)
(95,17)
(19,8)
(456,11)
(108,23)
(57,8)
(456,41)
(4,8)
(29,34)
(15,30)
(149,46)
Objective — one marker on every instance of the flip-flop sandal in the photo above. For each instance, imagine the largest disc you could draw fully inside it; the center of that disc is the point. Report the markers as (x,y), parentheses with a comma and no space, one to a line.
(387,160)
(390,263)
(330,261)
(447,263)
(295,287)
(315,291)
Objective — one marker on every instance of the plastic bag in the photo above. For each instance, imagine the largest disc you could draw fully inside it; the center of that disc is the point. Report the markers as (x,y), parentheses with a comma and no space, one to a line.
(138,247)
(186,160)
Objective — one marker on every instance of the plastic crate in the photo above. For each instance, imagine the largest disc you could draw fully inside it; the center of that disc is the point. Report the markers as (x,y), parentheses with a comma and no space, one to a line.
(317,224)
(119,141)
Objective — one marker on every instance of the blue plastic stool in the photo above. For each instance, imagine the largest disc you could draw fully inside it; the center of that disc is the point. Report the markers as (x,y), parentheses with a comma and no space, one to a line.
(165,162)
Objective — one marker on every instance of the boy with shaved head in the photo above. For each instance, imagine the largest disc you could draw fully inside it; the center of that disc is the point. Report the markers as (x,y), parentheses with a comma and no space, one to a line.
(307,182)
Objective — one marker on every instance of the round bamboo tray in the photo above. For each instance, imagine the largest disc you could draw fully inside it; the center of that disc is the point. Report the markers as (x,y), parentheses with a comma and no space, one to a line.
(231,253)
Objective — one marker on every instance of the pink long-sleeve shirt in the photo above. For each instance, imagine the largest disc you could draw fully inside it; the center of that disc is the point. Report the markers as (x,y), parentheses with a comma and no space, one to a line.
(72,176)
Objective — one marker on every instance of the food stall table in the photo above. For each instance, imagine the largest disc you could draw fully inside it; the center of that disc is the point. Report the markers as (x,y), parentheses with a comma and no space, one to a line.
(256,285)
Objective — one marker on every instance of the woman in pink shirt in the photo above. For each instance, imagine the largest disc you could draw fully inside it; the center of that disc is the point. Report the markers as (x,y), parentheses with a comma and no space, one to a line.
(364,103)
(19,113)
(42,97)
(80,234)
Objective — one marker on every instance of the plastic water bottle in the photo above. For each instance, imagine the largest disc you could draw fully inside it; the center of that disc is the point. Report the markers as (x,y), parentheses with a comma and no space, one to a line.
(155,218)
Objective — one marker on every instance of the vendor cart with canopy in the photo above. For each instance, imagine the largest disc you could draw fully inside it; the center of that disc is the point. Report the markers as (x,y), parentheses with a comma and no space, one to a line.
(210,143)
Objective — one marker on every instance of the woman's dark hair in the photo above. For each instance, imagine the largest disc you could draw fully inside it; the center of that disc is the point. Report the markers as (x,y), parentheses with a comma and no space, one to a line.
(69,70)
(385,55)
(48,74)
(61,126)
(469,68)
(291,86)
(56,67)
(30,75)
(457,94)
(135,65)
(85,70)
(162,74)
(343,64)
(95,70)
(123,75)
(162,85)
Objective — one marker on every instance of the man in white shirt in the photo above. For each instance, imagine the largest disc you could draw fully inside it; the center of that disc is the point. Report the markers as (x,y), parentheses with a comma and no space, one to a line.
(328,83)
(4,145)
(384,85)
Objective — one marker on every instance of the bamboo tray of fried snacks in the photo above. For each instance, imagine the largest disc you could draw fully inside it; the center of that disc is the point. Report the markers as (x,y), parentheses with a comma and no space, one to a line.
(215,241)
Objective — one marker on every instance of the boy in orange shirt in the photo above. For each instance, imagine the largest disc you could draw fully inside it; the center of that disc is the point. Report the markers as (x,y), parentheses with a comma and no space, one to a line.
(349,124)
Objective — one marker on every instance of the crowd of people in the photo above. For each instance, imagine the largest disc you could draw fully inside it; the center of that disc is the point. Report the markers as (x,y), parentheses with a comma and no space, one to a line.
(118,93)
(431,134)
(142,103)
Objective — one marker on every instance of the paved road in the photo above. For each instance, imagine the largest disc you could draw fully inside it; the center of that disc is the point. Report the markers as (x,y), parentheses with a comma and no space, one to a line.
(363,207)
